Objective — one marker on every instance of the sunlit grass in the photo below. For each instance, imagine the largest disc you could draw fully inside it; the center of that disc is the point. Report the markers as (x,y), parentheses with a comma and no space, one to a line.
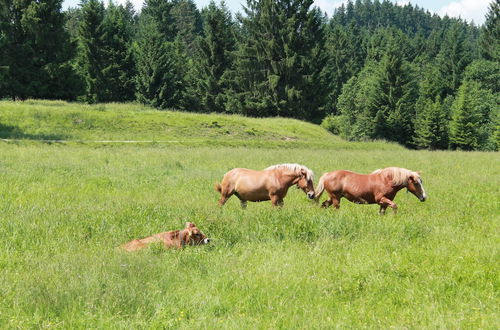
(64,210)
(58,120)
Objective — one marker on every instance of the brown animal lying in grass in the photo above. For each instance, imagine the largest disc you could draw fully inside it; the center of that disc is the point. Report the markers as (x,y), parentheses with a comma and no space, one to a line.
(190,235)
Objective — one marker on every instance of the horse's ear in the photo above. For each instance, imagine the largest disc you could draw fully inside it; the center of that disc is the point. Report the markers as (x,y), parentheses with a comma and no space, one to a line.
(190,225)
(303,172)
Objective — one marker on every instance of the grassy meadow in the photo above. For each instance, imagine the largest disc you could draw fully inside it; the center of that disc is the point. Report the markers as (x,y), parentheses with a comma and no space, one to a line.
(66,207)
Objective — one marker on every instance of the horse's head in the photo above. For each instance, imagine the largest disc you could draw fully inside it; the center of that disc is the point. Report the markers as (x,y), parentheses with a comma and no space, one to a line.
(306,184)
(415,186)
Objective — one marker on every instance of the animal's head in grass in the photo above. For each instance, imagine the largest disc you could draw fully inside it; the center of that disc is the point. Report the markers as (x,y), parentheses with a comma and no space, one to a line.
(379,187)
(194,236)
(190,235)
(271,183)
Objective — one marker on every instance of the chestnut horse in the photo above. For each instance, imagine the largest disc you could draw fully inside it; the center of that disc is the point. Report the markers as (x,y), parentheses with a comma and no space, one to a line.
(271,183)
(379,187)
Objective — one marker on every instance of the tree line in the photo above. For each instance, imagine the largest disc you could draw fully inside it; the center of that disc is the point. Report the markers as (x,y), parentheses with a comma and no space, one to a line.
(374,70)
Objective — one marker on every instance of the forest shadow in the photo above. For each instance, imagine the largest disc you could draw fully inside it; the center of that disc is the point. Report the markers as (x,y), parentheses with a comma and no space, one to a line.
(15,132)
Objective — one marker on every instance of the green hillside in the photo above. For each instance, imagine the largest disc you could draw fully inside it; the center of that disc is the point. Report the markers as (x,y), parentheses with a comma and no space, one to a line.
(58,120)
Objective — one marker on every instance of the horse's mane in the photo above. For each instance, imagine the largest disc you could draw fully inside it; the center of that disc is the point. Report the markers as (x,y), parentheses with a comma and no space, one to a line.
(398,175)
(294,168)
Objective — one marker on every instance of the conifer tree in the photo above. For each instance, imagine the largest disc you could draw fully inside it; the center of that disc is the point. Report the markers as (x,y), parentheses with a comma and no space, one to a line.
(188,24)
(159,12)
(119,67)
(215,58)
(431,125)
(92,46)
(358,105)
(380,102)
(490,33)
(156,79)
(485,73)
(281,59)
(474,113)
(35,51)
(454,56)
(396,98)
(345,57)
(485,76)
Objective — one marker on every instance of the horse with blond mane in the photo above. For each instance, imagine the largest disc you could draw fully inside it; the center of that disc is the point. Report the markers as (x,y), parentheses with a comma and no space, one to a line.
(271,183)
(379,187)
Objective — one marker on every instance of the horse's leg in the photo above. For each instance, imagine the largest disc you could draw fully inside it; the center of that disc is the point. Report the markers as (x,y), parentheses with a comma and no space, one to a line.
(334,200)
(242,201)
(385,202)
(326,203)
(276,200)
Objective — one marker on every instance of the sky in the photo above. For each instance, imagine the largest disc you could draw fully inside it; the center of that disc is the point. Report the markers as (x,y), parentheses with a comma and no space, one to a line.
(470,10)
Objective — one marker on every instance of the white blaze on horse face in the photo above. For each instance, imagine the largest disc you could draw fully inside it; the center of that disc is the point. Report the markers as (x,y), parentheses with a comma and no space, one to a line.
(424,196)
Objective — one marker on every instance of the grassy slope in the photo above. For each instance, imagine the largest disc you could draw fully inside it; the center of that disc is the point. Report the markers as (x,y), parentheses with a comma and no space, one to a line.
(65,208)
(49,120)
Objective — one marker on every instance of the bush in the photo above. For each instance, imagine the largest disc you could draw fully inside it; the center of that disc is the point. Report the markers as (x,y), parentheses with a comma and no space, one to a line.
(332,124)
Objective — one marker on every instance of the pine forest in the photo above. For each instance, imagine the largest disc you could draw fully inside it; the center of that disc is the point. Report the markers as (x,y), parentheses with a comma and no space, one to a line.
(374,70)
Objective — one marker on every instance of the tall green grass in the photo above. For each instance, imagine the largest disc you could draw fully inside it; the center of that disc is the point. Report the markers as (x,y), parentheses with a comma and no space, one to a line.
(64,210)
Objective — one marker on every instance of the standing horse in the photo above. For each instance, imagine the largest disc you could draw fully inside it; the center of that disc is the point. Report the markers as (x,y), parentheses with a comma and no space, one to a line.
(271,183)
(379,187)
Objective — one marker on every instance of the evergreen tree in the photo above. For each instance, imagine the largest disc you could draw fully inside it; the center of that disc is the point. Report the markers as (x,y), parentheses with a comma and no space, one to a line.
(280,62)
(92,46)
(474,115)
(345,57)
(396,98)
(358,104)
(119,67)
(159,11)
(454,56)
(486,73)
(431,125)
(432,84)
(3,53)
(35,51)
(490,33)
(156,80)
(215,58)
(187,23)
(73,19)
(379,103)
(165,71)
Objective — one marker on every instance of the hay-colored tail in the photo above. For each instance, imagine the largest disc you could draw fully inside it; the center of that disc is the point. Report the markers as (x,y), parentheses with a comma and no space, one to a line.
(319,188)
(218,187)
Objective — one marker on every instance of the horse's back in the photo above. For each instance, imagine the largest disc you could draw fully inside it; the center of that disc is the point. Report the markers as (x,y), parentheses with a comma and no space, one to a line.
(250,184)
(354,186)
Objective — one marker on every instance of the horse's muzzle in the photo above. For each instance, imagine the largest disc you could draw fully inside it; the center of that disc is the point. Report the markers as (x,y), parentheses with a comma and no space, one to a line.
(423,199)
(310,195)
(206,241)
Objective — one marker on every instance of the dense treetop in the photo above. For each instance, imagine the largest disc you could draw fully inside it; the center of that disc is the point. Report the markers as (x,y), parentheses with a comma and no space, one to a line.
(374,70)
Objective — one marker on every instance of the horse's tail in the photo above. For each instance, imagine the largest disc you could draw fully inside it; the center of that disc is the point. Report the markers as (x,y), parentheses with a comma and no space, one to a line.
(218,187)
(319,188)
